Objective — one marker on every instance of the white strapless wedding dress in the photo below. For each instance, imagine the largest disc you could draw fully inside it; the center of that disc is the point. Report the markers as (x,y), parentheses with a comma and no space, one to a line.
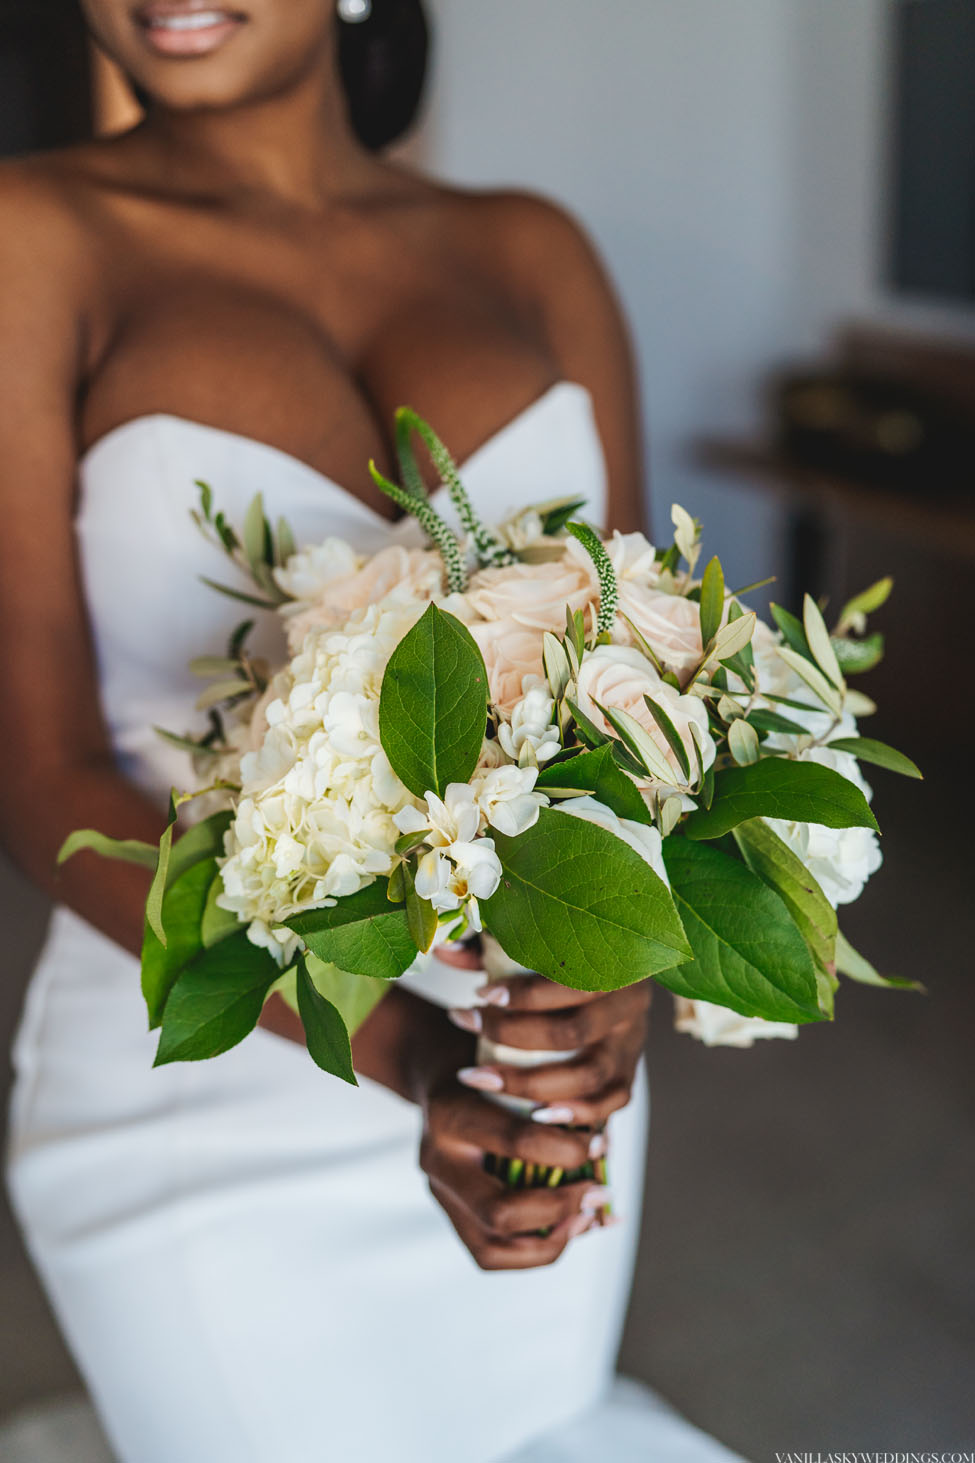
(243,1253)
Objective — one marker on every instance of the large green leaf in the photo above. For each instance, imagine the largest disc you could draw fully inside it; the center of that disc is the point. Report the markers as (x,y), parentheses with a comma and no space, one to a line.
(433,706)
(216,1001)
(581,907)
(597,773)
(183,906)
(775,787)
(325,1032)
(749,954)
(353,996)
(362,933)
(776,865)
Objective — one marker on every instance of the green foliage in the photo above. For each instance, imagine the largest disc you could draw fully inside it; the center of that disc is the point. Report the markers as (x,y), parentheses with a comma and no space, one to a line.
(326,1034)
(743,743)
(596,773)
(432,524)
(124,850)
(204,840)
(749,954)
(878,754)
(858,656)
(776,787)
(819,642)
(776,865)
(160,878)
(489,548)
(854,614)
(853,965)
(433,705)
(639,743)
(216,1001)
(183,906)
(792,631)
(361,933)
(581,907)
(556,518)
(671,735)
(609,590)
(814,679)
(712,601)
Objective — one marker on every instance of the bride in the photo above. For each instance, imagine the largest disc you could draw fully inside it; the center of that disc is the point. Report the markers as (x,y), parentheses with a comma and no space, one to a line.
(249,1261)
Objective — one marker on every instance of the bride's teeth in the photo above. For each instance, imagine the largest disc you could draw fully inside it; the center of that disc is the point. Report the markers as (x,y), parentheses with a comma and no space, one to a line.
(197,20)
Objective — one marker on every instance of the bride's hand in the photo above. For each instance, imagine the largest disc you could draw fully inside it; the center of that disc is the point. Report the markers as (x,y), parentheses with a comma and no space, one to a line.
(605,1030)
(504,1228)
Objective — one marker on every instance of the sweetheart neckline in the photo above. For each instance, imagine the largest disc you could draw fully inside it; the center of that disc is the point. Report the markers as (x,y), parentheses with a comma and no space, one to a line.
(146,418)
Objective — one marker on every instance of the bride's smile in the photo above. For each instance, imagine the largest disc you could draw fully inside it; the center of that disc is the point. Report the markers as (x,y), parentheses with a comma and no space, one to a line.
(182,28)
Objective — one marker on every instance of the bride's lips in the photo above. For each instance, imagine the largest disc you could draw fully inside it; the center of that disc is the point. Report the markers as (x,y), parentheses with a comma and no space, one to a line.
(187,27)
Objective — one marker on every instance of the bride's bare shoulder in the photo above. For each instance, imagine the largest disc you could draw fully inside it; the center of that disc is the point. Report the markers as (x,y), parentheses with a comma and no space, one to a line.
(46,222)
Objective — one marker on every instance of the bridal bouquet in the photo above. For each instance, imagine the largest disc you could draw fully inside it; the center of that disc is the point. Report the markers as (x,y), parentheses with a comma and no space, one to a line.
(577,745)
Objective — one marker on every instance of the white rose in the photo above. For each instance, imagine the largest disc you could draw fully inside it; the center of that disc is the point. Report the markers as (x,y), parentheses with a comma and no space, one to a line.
(841,860)
(669,623)
(717,1026)
(619,677)
(533,595)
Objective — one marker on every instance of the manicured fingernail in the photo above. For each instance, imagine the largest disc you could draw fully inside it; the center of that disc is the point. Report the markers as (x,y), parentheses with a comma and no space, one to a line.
(596,1198)
(494,995)
(553,1115)
(481,1078)
(466,1020)
(599,1146)
(579,1224)
(610,1221)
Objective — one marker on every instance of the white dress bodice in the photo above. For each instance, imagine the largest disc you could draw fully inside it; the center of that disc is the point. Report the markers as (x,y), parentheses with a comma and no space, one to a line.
(243,1253)
(142,559)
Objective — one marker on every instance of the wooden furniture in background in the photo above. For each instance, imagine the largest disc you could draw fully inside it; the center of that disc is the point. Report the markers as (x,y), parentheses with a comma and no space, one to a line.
(931,519)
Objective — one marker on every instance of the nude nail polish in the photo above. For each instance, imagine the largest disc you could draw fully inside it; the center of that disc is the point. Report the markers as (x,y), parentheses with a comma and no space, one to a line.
(482,1079)
(599,1146)
(494,995)
(579,1224)
(596,1198)
(553,1115)
(466,1020)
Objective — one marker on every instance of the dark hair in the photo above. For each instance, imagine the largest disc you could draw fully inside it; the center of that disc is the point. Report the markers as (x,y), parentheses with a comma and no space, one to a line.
(383,63)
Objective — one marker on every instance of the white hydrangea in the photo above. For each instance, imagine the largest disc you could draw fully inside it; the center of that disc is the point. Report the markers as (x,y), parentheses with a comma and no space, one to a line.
(316,816)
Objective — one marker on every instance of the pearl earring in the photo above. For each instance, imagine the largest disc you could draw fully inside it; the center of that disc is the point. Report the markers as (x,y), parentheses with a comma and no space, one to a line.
(354,12)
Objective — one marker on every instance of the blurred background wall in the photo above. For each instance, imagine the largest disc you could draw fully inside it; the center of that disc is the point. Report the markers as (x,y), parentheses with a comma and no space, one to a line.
(805,1279)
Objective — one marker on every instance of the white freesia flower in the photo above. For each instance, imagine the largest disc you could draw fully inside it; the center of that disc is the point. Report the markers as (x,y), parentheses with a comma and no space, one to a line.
(718,1026)
(454,819)
(507,799)
(841,860)
(459,875)
(531,726)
